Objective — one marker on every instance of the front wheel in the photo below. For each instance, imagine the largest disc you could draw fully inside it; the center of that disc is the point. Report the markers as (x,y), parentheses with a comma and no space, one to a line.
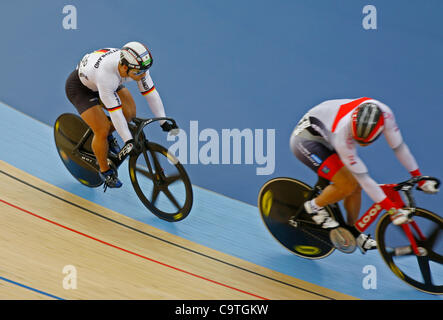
(161,182)
(424,271)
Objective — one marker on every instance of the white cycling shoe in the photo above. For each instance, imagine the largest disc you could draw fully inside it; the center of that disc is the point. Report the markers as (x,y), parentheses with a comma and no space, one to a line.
(320,216)
(365,243)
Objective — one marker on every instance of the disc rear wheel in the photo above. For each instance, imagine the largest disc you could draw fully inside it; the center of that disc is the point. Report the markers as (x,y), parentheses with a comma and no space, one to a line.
(69,129)
(278,200)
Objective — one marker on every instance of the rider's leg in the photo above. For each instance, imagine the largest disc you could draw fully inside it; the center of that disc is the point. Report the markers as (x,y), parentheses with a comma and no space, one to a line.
(321,158)
(88,105)
(96,119)
(128,104)
(343,186)
(352,204)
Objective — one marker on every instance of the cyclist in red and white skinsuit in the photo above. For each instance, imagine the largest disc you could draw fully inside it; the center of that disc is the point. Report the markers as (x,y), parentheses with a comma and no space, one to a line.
(325,139)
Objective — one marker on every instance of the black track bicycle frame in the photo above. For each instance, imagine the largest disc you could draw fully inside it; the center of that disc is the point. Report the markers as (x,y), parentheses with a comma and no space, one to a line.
(139,141)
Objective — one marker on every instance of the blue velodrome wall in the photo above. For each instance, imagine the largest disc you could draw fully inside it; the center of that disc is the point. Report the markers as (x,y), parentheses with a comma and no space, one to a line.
(245,64)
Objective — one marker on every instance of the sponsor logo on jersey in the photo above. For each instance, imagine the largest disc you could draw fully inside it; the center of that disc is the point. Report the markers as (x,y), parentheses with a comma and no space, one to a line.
(97,64)
(84,61)
(316,158)
(307,154)
(325,170)
(145,84)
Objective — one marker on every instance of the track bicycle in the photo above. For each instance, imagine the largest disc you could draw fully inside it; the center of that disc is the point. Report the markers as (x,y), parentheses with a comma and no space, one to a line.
(412,250)
(158,178)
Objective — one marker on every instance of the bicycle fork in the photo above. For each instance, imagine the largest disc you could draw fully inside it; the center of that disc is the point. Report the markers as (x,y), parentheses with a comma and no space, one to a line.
(411,239)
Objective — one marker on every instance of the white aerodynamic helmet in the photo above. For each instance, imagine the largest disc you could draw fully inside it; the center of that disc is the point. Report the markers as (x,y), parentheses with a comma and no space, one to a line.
(136,55)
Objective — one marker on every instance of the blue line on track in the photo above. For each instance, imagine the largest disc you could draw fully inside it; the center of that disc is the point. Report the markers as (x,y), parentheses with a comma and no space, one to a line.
(32,289)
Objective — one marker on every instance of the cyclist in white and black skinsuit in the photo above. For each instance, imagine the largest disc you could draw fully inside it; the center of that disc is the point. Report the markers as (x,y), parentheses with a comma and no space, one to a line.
(325,139)
(97,82)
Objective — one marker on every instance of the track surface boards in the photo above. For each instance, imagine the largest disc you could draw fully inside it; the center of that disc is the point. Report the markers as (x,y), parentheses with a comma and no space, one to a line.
(45,228)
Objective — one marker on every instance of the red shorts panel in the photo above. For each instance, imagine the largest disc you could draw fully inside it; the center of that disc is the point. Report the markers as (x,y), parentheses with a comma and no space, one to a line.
(330,166)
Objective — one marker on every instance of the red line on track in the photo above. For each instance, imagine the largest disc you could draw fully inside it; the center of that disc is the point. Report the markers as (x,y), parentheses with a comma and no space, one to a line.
(128,251)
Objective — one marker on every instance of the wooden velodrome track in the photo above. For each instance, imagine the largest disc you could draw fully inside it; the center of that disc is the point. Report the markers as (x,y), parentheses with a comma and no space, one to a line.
(45,228)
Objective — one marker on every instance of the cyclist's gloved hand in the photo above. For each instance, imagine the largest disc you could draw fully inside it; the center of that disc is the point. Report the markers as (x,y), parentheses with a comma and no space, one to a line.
(128,149)
(167,127)
(429,186)
(399,216)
